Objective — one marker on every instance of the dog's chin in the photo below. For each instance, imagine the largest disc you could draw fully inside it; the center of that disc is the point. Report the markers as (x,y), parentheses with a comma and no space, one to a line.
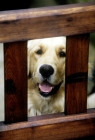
(46,89)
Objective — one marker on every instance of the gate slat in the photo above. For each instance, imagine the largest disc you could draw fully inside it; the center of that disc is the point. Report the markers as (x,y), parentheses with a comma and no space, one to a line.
(15,60)
(76,73)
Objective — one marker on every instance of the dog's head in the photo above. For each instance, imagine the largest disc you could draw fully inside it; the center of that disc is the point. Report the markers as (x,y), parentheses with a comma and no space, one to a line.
(46,63)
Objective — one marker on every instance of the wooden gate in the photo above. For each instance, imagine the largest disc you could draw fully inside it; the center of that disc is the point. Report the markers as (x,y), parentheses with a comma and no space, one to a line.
(16,27)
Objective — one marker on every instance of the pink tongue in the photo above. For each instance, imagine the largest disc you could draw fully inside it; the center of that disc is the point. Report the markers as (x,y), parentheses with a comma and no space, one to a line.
(45,87)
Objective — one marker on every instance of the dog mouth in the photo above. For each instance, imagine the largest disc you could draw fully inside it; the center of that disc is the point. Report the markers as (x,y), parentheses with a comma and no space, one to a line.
(46,89)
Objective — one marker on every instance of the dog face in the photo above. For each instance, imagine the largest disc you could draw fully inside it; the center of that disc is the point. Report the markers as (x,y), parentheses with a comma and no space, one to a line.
(46,64)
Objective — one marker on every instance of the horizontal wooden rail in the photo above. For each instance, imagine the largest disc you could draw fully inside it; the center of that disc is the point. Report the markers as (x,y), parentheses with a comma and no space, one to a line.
(52,126)
(47,22)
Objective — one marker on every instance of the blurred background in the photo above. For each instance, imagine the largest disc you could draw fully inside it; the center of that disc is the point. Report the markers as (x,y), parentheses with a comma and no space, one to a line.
(25,4)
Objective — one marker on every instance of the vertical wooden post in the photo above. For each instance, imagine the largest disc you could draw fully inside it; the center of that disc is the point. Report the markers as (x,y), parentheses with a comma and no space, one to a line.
(76,74)
(15,63)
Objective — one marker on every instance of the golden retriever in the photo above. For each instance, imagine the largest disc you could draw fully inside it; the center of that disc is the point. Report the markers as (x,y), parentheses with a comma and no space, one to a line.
(46,69)
(46,72)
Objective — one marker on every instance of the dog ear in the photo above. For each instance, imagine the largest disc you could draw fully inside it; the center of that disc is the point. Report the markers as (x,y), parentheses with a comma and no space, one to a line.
(28,65)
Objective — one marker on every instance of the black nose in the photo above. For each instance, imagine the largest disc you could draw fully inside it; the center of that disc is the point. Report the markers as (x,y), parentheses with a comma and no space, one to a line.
(46,70)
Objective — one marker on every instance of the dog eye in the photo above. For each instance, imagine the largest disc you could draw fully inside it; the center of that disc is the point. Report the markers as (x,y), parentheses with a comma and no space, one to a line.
(62,54)
(39,52)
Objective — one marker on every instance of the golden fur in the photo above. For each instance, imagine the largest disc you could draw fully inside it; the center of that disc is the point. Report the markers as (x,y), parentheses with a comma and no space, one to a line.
(51,49)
